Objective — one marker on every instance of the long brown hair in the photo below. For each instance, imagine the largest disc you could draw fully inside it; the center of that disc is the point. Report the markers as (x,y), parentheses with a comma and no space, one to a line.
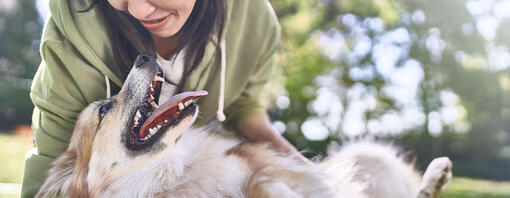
(129,38)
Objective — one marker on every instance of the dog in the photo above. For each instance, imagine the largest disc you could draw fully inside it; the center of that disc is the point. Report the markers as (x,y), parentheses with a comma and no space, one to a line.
(130,145)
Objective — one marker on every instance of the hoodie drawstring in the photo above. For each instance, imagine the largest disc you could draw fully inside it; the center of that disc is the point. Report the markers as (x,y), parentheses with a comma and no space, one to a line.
(221,98)
(108,92)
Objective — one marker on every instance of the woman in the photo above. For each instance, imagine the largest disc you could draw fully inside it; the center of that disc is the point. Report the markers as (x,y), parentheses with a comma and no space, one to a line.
(224,47)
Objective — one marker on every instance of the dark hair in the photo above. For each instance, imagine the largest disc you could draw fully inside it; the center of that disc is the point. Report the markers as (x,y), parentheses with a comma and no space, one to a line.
(129,38)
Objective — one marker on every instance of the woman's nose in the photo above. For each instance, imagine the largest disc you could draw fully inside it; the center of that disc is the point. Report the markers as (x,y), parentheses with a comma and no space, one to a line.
(140,9)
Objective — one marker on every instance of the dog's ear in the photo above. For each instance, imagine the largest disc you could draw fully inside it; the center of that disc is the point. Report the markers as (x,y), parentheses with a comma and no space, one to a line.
(68,175)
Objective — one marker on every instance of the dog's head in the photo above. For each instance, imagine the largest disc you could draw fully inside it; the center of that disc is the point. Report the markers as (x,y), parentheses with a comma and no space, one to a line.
(116,134)
(136,118)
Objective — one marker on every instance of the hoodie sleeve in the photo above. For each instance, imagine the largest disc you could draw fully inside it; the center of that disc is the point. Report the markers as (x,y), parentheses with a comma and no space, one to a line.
(58,100)
(249,100)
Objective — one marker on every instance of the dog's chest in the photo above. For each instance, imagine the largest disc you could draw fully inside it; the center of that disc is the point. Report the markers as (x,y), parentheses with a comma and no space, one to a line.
(205,181)
(199,168)
(209,172)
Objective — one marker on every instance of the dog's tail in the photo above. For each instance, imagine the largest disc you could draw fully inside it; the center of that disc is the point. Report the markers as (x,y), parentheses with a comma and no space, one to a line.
(372,170)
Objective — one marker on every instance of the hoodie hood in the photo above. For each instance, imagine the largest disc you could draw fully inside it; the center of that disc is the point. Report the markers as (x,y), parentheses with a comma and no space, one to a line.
(85,30)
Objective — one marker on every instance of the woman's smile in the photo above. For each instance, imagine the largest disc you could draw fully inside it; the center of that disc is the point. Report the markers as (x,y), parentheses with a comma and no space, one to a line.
(155,23)
(162,18)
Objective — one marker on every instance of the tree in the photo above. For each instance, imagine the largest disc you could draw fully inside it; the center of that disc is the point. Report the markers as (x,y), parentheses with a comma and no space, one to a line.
(19,30)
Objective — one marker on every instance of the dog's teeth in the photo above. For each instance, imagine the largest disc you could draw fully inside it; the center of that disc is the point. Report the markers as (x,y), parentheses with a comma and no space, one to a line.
(152,89)
(187,103)
(158,78)
(146,137)
(138,115)
(152,97)
(166,121)
(159,126)
(153,131)
(181,106)
(154,105)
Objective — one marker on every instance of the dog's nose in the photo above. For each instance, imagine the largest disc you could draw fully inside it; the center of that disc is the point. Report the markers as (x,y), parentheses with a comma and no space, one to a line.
(142,59)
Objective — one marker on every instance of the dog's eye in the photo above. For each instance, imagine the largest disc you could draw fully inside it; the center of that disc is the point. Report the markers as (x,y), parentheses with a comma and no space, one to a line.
(104,108)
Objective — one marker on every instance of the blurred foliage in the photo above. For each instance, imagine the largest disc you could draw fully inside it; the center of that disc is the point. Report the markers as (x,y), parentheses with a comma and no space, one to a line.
(19,57)
(439,36)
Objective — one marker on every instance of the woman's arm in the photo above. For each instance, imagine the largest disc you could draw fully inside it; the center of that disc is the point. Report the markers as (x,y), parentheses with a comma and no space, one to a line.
(257,127)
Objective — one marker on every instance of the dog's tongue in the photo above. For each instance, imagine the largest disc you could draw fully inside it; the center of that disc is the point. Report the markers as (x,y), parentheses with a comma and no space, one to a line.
(164,111)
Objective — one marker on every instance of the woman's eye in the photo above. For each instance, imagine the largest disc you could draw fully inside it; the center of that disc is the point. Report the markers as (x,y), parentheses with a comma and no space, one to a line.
(103,109)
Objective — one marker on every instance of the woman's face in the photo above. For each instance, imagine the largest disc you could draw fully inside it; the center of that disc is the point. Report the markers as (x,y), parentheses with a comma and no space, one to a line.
(163,18)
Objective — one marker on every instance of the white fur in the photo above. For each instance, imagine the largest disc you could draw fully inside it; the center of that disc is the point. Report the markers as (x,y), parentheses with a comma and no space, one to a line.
(197,167)
(195,162)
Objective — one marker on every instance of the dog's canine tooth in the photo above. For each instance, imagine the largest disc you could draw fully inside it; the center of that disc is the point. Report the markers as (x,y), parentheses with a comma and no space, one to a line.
(138,115)
(158,78)
(166,121)
(187,103)
(159,126)
(181,106)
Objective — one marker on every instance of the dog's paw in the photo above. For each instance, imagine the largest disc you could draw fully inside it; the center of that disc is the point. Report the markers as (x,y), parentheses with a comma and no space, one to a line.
(438,173)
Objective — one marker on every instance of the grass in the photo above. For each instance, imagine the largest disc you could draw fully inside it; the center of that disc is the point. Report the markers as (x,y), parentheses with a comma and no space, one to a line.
(14,147)
(475,188)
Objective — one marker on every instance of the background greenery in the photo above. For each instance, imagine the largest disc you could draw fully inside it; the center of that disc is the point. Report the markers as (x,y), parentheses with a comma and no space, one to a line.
(431,76)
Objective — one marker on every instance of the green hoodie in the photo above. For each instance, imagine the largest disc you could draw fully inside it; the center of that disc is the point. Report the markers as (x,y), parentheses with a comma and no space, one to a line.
(78,68)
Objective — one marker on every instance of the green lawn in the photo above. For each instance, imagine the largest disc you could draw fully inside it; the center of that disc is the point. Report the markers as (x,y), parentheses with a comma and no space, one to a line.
(13,151)
(474,188)
(12,155)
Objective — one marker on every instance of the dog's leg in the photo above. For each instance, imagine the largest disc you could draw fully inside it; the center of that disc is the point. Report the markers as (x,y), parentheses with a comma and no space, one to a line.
(438,173)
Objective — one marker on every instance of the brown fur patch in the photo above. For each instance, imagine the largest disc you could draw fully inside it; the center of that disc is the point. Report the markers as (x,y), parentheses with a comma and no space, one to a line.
(252,153)
(71,167)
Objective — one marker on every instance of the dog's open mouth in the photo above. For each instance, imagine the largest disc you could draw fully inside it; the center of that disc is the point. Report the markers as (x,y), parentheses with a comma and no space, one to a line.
(152,119)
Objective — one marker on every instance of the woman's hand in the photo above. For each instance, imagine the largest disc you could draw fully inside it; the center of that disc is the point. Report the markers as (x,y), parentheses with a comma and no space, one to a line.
(258,128)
